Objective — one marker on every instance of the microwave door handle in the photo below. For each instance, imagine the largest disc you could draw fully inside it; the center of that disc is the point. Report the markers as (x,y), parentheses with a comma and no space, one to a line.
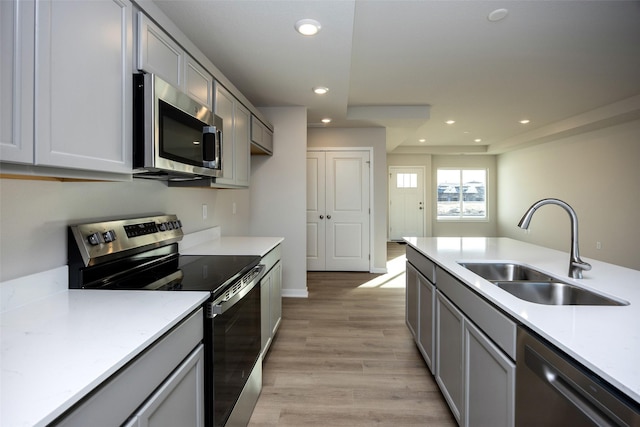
(218,144)
(209,147)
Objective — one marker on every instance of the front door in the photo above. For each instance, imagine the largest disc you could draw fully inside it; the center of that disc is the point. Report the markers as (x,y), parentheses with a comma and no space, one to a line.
(406,202)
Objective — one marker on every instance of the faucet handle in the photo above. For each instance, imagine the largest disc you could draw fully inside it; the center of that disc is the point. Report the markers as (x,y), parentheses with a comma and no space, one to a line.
(576,268)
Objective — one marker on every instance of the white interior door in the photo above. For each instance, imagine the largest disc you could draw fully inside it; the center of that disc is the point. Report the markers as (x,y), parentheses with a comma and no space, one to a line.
(316,211)
(406,202)
(347,201)
(338,211)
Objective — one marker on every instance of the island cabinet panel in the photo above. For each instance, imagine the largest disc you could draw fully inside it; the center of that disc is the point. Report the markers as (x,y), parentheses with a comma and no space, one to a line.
(450,353)
(411,296)
(490,378)
(427,321)
(468,344)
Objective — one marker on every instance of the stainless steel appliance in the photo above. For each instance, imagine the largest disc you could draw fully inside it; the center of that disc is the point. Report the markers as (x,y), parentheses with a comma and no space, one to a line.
(142,254)
(174,137)
(553,390)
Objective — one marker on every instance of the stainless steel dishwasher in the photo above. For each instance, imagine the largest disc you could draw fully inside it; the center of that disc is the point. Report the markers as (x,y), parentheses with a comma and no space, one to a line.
(553,390)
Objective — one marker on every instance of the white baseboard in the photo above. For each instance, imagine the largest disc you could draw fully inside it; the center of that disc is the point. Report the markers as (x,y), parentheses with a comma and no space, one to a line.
(295,293)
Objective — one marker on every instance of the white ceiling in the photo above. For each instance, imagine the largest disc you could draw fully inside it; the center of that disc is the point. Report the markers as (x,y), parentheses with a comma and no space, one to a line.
(547,61)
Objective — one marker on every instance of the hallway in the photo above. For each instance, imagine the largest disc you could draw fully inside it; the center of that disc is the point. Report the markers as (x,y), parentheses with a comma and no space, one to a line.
(344,357)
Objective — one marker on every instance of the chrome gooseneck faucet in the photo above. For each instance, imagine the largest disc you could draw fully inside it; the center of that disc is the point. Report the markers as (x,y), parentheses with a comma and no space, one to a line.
(576,265)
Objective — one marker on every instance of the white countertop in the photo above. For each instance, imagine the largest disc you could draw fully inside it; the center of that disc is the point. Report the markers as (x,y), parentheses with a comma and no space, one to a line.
(59,347)
(209,242)
(606,339)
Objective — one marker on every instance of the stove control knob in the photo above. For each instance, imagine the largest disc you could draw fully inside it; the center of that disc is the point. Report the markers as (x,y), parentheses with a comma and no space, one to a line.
(109,236)
(162,226)
(176,225)
(93,239)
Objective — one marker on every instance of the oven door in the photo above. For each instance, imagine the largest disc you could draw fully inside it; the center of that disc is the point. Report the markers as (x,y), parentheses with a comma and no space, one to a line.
(235,333)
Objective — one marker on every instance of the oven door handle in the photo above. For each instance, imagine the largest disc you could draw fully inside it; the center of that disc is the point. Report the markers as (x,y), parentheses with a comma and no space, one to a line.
(221,305)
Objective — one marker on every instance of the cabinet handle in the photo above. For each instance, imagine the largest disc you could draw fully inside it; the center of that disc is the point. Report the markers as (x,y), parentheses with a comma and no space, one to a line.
(321,216)
(328,216)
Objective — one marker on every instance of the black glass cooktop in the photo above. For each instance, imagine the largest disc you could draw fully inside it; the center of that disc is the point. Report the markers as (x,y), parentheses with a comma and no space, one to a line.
(209,273)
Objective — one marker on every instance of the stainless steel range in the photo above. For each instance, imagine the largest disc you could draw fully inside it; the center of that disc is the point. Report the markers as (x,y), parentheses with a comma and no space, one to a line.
(142,254)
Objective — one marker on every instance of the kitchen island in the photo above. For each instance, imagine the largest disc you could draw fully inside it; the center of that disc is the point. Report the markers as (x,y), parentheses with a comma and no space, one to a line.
(605,339)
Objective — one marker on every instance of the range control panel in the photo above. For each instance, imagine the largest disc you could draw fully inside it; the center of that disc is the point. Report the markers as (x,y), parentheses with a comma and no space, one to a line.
(98,239)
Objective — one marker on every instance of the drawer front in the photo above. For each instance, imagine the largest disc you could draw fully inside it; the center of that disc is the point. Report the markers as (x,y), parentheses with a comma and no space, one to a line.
(271,258)
(422,263)
(500,328)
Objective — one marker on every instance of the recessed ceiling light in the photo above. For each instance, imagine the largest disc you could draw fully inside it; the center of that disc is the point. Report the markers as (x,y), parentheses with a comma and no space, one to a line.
(525,121)
(422,140)
(477,140)
(320,90)
(308,27)
(327,120)
(497,15)
(450,122)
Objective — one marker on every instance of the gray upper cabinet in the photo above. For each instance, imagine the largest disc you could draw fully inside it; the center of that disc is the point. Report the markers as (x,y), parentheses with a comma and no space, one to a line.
(16,85)
(235,146)
(261,138)
(79,99)
(159,54)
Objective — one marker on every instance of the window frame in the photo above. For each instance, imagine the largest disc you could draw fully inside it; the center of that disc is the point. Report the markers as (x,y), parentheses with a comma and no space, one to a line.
(461,217)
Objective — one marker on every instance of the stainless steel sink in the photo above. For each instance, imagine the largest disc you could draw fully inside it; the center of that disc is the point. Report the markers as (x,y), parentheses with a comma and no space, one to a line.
(530,284)
(506,271)
(554,293)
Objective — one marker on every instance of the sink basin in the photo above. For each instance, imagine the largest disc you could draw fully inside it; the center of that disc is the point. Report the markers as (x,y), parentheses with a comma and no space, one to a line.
(507,271)
(530,284)
(554,293)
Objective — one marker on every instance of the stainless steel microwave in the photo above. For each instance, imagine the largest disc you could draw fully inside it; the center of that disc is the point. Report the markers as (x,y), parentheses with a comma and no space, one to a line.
(174,136)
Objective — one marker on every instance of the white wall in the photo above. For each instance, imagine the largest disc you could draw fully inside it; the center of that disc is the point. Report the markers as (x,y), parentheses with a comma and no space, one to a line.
(365,137)
(597,173)
(278,188)
(34,215)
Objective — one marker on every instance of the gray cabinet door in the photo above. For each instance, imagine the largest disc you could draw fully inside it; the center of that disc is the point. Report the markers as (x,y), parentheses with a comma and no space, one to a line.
(411,296)
(83,109)
(179,401)
(490,382)
(426,315)
(450,352)
(16,85)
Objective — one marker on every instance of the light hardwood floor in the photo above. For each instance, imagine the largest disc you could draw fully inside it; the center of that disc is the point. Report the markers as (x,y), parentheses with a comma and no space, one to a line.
(344,357)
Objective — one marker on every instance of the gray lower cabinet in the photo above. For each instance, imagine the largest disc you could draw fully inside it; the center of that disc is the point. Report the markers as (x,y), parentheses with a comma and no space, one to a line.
(490,378)
(426,330)
(449,353)
(468,344)
(411,296)
(271,298)
(163,387)
(180,399)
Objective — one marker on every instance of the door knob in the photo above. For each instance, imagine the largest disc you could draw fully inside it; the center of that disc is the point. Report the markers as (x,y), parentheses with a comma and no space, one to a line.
(321,216)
